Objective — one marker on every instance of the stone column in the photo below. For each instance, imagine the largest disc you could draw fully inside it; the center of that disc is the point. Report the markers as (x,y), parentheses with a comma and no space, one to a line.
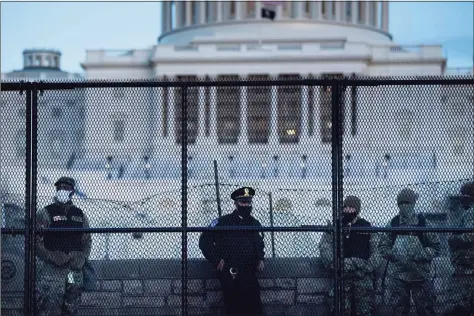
(329,12)
(202,12)
(304,136)
(316,10)
(339,11)
(278,10)
(385,16)
(258,10)
(173,94)
(299,6)
(316,139)
(240,9)
(273,138)
(158,105)
(213,115)
(354,12)
(163,16)
(367,12)
(243,135)
(189,13)
(201,135)
(376,15)
(219,6)
(179,14)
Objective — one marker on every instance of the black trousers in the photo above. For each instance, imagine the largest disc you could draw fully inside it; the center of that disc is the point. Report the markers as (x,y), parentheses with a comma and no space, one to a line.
(242,293)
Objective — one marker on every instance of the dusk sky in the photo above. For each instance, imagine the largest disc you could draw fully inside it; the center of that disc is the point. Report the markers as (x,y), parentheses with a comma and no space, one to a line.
(74,27)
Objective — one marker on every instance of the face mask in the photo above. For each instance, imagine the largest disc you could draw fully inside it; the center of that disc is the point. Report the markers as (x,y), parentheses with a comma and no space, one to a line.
(63,196)
(244,211)
(348,218)
(407,210)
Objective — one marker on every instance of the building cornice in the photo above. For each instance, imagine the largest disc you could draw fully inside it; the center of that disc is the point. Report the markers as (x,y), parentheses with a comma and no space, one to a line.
(89,65)
(262,59)
(281,21)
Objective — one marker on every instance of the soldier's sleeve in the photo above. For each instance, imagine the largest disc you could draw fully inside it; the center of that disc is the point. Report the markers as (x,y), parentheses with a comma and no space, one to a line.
(433,245)
(384,247)
(86,239)
(260,243)
(326,250)
(207,245)
(468,238)
(42,221)
(375,257)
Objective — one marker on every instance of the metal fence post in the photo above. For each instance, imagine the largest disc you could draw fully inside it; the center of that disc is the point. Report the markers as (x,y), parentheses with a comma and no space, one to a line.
(184,200)
(272,233)
(31,159)
(218,194)
(337,195)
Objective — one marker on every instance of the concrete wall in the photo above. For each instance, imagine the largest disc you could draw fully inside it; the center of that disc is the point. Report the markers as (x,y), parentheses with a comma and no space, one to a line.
(290,286)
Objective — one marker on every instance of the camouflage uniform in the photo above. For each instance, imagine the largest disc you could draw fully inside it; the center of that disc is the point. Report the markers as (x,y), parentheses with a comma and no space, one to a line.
(410,255)
(461,288)
(359,294)
(59,278)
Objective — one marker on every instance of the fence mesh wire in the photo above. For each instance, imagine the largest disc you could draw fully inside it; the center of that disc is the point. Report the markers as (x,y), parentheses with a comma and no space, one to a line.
(123,146)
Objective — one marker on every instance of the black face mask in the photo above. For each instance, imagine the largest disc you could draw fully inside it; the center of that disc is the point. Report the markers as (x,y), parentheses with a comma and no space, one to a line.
(348,217)
(244,211)
(466,204)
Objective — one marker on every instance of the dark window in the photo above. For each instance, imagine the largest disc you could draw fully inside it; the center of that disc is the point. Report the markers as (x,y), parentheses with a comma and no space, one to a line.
(192,100)
(228,111)
(258,111)
(289,111)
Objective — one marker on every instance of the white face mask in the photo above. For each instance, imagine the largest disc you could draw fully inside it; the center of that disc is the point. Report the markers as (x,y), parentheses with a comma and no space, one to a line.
(63,196)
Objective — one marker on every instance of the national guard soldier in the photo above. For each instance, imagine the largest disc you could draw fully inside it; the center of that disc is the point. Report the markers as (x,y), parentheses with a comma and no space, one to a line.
(360,261)
(410,255)
(461,246)
(61,254)
(238,256)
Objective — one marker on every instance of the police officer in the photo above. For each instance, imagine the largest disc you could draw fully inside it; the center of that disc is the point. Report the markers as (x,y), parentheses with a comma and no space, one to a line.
(61,255)
(410,255)
(360,261)
(237,256)
(461,246)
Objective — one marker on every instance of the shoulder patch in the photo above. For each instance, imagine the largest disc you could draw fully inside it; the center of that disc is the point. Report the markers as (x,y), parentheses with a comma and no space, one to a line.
(214,222)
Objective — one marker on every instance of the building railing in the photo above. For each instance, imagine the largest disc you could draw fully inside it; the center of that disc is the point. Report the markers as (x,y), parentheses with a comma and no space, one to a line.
(297,49)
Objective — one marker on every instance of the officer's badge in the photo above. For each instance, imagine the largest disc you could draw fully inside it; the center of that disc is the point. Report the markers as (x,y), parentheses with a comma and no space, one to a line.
(214,223)
(246,190)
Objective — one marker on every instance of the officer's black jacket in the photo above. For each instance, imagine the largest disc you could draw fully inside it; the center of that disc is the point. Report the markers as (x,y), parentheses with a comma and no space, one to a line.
(60,218)
(357,243)
(237,248)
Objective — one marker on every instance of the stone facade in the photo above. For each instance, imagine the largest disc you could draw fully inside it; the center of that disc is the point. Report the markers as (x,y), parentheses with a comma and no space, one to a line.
(290,286)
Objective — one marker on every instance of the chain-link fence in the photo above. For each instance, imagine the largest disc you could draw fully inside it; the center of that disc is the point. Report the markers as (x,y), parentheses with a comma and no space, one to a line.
(155,163)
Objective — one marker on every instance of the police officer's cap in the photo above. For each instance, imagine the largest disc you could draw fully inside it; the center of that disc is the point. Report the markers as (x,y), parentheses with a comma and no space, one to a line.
(352,201)
(407,196)
(66,180)
(245,193)
(467,191)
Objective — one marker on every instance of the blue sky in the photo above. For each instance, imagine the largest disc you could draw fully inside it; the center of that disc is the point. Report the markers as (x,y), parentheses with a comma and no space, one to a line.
(74,27)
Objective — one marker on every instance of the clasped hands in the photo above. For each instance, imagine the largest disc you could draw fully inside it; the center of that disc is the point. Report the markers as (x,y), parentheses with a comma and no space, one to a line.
(260,266)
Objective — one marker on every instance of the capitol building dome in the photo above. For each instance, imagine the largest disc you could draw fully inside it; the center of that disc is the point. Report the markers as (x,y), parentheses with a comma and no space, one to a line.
(185,21)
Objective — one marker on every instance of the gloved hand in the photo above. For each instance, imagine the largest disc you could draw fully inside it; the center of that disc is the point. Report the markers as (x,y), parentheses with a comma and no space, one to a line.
(456,242)
(77,260)
(396,256)
(58,258)
(349,265)
(362,265)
